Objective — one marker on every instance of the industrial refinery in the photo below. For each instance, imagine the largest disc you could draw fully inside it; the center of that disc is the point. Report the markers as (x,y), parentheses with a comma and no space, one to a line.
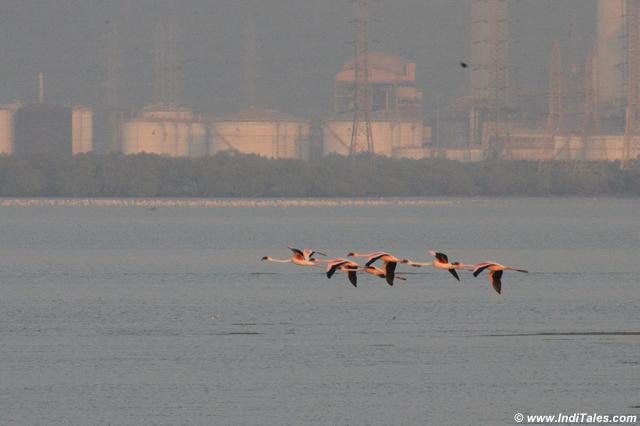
(589,110)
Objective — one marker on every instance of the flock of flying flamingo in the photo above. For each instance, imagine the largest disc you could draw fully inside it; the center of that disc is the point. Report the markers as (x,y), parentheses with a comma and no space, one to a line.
(389,264)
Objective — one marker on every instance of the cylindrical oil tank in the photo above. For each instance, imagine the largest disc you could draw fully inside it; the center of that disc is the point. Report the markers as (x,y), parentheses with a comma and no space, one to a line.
(389,136)
(611,54)
(166,131)
(43,129)
(7,114)
(82,130)
(199,141)
(264,132)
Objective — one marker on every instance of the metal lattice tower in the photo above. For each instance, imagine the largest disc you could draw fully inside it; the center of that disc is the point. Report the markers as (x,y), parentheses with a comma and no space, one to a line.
(573,84)
(556,112)
(591,115)
(489,76)
(632,125)
(160,87)
(113,86)
(500,84)
(168,78)
(127,11)
(250,63)
(113,68)
(361,134)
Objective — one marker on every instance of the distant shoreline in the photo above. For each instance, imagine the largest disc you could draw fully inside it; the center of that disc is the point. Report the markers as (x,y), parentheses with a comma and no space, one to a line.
(220,202)
(280,202)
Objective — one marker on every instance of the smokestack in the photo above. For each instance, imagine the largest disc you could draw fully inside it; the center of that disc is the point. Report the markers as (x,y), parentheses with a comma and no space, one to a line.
(168,79)
(250,63)
(113,68)
(41,87)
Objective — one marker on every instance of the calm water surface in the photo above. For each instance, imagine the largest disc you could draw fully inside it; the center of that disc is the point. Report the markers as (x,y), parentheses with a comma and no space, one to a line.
(126,316)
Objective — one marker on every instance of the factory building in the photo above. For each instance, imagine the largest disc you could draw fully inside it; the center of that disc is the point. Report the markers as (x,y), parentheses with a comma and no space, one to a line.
(392,82)
(52,129)
(166,130)
(396,109)
(264,132)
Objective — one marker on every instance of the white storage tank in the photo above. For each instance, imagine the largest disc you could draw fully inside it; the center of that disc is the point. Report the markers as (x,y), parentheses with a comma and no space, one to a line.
(264,132)
(7,113)
(390,137)
(165,130)
(81,130)
(52,130)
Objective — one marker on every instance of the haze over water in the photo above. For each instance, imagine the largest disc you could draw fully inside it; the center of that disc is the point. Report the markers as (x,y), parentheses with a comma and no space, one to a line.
(123,315)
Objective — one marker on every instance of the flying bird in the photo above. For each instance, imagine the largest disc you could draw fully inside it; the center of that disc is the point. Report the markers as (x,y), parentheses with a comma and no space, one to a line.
(308,254)
(390,262)
(495,273)
(379,255)
(299,257)
(442,262)
(344,265)
(387,273)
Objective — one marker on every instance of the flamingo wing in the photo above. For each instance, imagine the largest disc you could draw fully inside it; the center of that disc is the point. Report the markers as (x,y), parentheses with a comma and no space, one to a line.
(297,253)
(374,258)
(333,267)
(454,273)
(390,272)
(442,258)
(480,267)
(353,277)
(495,278)
(308,254)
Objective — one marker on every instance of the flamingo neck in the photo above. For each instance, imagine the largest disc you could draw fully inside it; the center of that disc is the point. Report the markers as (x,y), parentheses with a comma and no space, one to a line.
(362,254)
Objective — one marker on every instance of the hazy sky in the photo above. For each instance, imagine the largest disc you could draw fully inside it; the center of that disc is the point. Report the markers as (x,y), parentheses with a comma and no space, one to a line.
(301,45)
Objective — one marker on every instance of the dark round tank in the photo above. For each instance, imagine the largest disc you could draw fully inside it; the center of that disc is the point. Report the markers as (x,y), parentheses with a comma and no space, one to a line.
(43,129)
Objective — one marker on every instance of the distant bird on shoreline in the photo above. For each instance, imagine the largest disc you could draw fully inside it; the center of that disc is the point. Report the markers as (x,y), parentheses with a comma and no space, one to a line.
(495,273)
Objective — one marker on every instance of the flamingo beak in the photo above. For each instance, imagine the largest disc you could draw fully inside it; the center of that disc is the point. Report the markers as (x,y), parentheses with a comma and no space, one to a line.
(351,254)
(265,258)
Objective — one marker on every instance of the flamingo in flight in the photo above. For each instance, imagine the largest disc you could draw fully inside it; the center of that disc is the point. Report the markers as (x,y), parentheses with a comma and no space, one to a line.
(299,257)
(379,255)
(495,273)
(344,265)
(442,262)
(387,272)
